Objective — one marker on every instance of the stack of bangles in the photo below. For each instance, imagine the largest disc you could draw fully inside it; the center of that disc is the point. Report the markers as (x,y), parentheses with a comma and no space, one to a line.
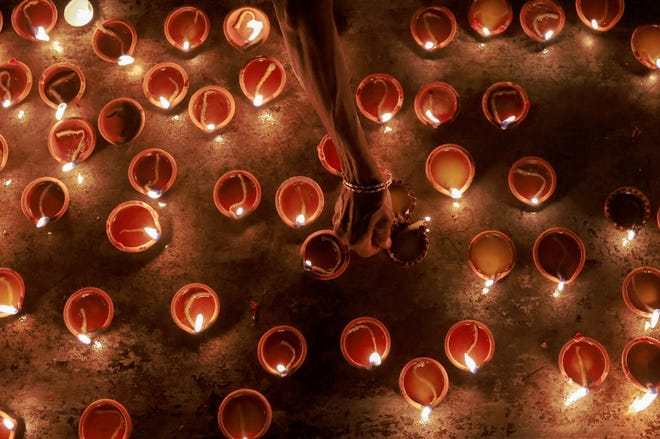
(369,188)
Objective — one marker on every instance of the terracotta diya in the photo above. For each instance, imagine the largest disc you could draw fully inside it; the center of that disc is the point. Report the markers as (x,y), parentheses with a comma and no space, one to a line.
(641,363)
(133,227)
(328,155)
(71,141)
(9,425)
(282,350)
(237,194)
(114,41)
(299,201)
(403,198)
(186,28)
(78,13)
(245,27)
(423,383)
(584,363)
(165,85)
(121,120)
(450,170)
(490,17)
(195,307)
(433,27)
(4,152)
(641,294)
(34,19)
(105,418)
(542,20)
(324,255)
(152,172)
(532,180)
(410,242)
(469,345)
(505,104)
(491,256)
(12,292)
(559,255)
(62,85)
(365,342)
(379,97)
(628,209)
(211,108)
(15,82)
(87,312)
(645,45)
(44,200)
(244,414)
(262,80)
(436,103)
(600,15)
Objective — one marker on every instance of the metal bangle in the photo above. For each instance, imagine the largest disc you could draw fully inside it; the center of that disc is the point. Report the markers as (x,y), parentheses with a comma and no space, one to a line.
(368,189)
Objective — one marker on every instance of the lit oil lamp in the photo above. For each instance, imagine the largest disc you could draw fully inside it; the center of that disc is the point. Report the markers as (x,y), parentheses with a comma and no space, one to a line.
(282,350)
(403,199)
(246,27)
(491,256)
(12,292)
(262,80)
(469,345)
(433,27)
(34,19)
(641,365)
(450,170)
(505,104)
(532,180)
(379,97)
(600,15)
(237,194)
(490,17)
(641,293)
(133,227)
(211,108)
(15,82)
(559,255)
(542,20)
(195,307)
(645,45)
(299,201)
(584,363)
(8,426)
(114,41)
(423,383)
(44,200)
(410,242)
(324,255)
(121,120)
(629,210)
(365,342)
(105,418)
(62,85)
(436,104)
(165,85)
(244,414)
(78,12)
(152,172)
(71,141)
(186,28)
(87,312)
(4,152)
(328,155)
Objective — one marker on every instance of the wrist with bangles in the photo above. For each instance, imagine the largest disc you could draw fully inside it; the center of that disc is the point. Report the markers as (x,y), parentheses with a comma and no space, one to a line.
(369,188)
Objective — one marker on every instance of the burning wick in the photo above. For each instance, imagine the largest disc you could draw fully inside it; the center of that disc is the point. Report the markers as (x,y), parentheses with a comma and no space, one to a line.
(539,19)
(429,111)
(469,362)
(531,173)
(59,113)
(433,41)
(186,46)
(629,237)
(202,116)
(424,417)
(309,265)
(149,231)
(164,102)
(9,424)
(419,224)
(5,86)
(642,403)
(236,209)
(594,23)
(79,148)
(584,390)
(258,98)
(40,34)
(489,283)
(375,358)
(560,288)
(486,31)
(455,193)
(579,393)
(383,116)
(300,219)
(282,369)
(43,220)
(505,123)
(198,322)
(83,337)
(253,24)
(431,387)
(154,193)
(8,309)
(654,320)
(124,59)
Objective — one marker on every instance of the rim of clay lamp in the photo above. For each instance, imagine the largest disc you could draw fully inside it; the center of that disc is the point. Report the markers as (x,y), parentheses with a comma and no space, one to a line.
(259,14)
(116,243)
(300,356)
(369,321)
(77,123)
(28,190)
(449,147)
(280,87)
(320,149)
(179,97)
(142,154)
(247,392)
(411,364)
(480,326)
(624,359)
(418,103)
(108,23)
(501,85)
(106,108)
(391,81)
(587,22)
(182,291)
(631,191)
(8,272)
(440,10)
(508,241)
(11,64)
(82,292)
(54,69)
(579,338)
(530,32)
(532,160)
(412,197)
(22,32)
(1,24)
(572,235)
(345,255)
(223,179)
(492,32)
(626,294)
(101,402)
(285,185)
(4,152)
(422,235)
(658,217)
(174,14)
(644,59)
(198,94)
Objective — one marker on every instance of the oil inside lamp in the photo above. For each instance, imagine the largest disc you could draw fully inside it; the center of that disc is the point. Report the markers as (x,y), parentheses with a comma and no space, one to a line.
(282,350)
(542,20)
(645,45)
(262,80)
(195,307)
(133,226)
(433,27)
(186,28)
(114,41)
(423,383)
(365,342)
(436,103)
(71,141)
(324,255)
(505,104)
(299,201)
(12,292)
(105,418)
(600,15)
(211,108)
(379,97)
(246,27)
(237,194)
(491,256)
(15,82)
(629,210)
(532,180)
(34,19)
(490,17)
(403,199)
(584,363)
(641,294)
(78,12)
(327,152)
(121,120)
(87,312)
(62,85)
(469,345)
(559,255)
(44,200)
(450,170)
(152,172)
(244,414)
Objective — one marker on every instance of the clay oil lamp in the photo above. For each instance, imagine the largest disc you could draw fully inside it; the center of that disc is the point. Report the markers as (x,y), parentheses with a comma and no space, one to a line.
(532,180)
(34,19)
(186,28)
(4,152)
(490,17)
(410,242)
(44,200)
(244,414)
(629,210)
(211,108)
(15,82)
(105,418)
(165,85)
(365,342)
(246,27)
(8,425)
(450,170)
(559,255)
(423,382)
(379,97)
(121,120)
(469,345)
(62,85)
(491,256)
(641,365)
(436,103)
(87,312)
(71,141)
(584,363)
(1,22)
(641,293)
(505,104)
(78,13)
(324,255)
(152,172)
(282,350)
(195,307)
(133,227)
(542,20)
(600,15)
(262,80)
(328,155)
(403,198)
(645,45)
(12,292)
(433,27)
(114,41)
(299,201)
(237,194)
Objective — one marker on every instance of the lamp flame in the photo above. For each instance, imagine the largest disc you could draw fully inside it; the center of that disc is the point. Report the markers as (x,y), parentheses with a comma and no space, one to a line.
(20,114)
(455,193)
(61,108)
(84,338)
(549,34)
(199,322)
(43,221)
(308,263)
(40,34)
(300,220)
(239,211)
(152,232)
(429,114)
(486,31)
(9,424)
(505,123)
(657,63)
(385,117)
(154,193)
(535,201)
(470,363)
(6,103)
(69,166)
(489,283)
(424,417)
(256,27)
(8,309)
(210,126)
(642,403)
(429,45)
(559,289)
(654,320)
(579,393)
(594,23)
(281,369)
(258,100)
(374,359)
(186,46)
(164,102)
(125,60)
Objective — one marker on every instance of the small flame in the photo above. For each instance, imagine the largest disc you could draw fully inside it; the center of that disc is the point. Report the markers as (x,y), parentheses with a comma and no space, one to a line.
(186,46)
(164,102)
(308,263)
(505,123)
(6,103)
(61,108)
(43,221)
(559,289)
(281,369)
(69,166)
(455,193)
(84,338)
(154,193)
(429,114)
(40,34)
(579,393)
(8,309)
(300,219)
(258,100)
(80,178)
(657,63)
(535,201)
(20,114)
(152,232)
(8,182)
(549,34)
(470,363)
(9,424)
(239,211)
(58,47)
(456,204)
(424,417)
(642,403)
(631,235)
(210,126)
(654,320)
(374,359)
(594,23)
(429,45)
(199,322)
(486,31)
(489,283)
(385,117)
(125,60)
(256,26)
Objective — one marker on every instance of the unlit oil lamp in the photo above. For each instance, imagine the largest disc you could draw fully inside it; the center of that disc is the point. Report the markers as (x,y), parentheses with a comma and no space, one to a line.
(542,20)
(403,199)
(34,19)
(152,172)
(262,80)
(4,152)
(629,210)
(195,307)
(87,312)
(641,365)
(645,45)
(436,104)
(246,27)
(44,200)
(299,201)
(12,292)
(133,227)
(237,194)
(584,363)
(365,342)
(450,170)
(469,345)
(433,27)
(62,85)
(641,294)
(328,155)
(186,28)
(423,383)
(379,97)
(600,15)
(114,41)
(410,242)
(324,255)
(532,180)
(105,418)
(244,414)
(121,120)
(211,108)
(559,255)
(71,141)
(491,256)
(15,82)
(505,104)
(282,350)
(490,17)
(8,426)
(165,85)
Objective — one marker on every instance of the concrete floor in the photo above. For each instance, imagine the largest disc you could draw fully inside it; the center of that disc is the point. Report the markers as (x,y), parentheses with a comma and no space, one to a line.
(594,117)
